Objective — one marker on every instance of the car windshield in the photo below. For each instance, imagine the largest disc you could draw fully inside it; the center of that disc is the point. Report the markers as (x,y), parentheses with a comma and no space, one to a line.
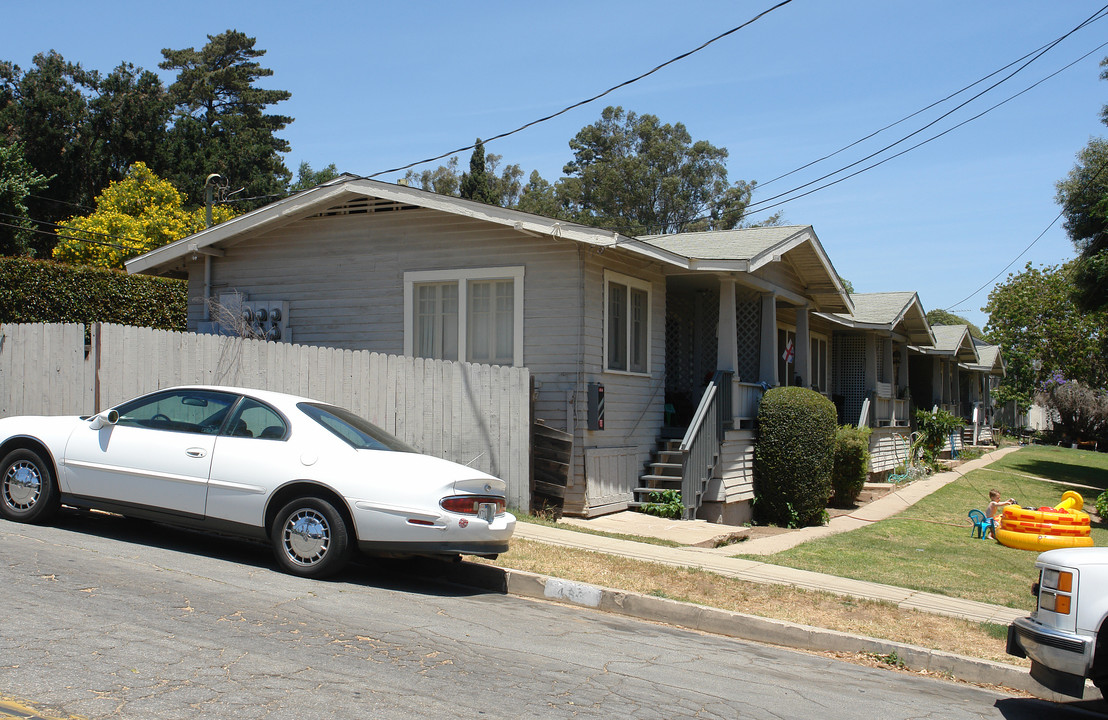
(355,431)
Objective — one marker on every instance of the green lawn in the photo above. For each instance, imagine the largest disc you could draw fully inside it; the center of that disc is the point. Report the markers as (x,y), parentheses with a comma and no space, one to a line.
(928,546)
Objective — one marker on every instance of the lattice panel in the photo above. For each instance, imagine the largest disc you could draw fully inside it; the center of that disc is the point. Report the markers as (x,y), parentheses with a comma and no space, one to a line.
(881,361)
(748,313)
(850,374)
(708,322)
(679,356)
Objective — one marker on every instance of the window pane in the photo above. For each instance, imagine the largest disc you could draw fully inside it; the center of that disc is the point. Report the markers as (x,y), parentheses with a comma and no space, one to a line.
(505,322)
(617,326)
(638,330)
(195,411)
(436,321)
(255,420)
(491,322)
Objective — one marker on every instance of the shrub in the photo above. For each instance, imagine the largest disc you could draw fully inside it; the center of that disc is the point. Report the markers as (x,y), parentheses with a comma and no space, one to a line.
(794,457)
(665,503)
(935,429)
(1082,410)
(38,291)
(1102,506)
(851,463)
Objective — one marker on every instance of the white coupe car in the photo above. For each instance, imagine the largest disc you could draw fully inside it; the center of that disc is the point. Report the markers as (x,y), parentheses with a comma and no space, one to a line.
(314,479)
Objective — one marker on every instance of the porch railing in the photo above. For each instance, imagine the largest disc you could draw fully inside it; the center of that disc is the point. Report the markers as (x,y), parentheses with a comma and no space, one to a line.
(888,409)
(700,446)
(745,400)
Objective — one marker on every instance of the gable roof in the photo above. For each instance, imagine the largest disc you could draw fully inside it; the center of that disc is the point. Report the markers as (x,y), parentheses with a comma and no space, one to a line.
(349,194)
(899,313)
(733,250)
(991,359)
(749,249)
(955,341)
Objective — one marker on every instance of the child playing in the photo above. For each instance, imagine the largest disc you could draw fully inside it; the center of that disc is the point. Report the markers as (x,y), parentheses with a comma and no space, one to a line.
(996,507)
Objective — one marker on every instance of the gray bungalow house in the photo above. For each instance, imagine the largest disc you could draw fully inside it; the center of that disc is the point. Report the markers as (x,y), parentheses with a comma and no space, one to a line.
(871,348)
(682,332)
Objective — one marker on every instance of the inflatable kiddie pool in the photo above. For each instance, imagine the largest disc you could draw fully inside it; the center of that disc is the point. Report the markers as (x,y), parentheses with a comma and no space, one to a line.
(1062,526)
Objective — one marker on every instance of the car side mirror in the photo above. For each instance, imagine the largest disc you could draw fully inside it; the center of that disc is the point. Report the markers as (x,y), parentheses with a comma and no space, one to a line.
(111,417)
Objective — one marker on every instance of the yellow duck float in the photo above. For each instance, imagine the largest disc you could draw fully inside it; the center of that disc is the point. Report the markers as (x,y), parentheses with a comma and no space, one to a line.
(1063,526)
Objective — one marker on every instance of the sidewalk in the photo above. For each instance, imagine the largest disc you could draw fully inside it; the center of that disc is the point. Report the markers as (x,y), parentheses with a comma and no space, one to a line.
(719,560)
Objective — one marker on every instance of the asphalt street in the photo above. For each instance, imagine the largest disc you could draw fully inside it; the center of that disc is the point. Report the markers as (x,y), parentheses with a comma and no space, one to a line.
(106,617)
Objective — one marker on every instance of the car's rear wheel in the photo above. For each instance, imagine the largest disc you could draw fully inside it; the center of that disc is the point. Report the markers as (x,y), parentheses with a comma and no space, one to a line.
(310,538)
(28,492)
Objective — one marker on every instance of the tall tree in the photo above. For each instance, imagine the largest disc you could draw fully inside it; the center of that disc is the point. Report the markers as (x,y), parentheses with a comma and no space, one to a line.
(476,184)
(442,180)
(944,317)
(637,175)
(1083,196)
(219,121)
(46,110)
(128,117)
(17,180)
(539,197)
(306,178)
(138,214)
(1033,317)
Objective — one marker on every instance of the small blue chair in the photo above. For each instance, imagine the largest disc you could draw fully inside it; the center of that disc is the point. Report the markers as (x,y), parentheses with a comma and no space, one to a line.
(982,526)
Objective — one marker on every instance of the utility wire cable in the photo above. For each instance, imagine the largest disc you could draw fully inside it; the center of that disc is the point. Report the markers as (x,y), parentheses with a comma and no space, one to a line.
(906,150)
(904,119)
(765,204)
(1095,176)
(594,98)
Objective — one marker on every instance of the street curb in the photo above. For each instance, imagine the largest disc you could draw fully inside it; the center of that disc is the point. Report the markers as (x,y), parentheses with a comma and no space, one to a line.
(745,627)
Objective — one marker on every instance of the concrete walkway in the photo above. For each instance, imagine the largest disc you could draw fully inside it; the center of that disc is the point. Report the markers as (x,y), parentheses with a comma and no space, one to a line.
(720,560)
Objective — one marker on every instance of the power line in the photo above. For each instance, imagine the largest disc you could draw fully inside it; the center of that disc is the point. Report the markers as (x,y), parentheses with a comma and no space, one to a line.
(765,204)
(594,98)
(67,237)
(1085,186)
(913,147)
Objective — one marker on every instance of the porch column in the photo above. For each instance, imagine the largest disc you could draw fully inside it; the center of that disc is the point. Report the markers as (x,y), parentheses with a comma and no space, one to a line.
(936,381)
(727,354)
(802,358)
(767,357)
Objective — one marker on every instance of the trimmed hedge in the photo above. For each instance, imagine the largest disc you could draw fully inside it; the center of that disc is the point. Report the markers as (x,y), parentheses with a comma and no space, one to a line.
(40,291)
(794,457)
(851,463)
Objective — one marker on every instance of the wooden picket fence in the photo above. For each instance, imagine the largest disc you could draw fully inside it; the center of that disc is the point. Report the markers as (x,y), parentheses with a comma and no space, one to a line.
(477,415)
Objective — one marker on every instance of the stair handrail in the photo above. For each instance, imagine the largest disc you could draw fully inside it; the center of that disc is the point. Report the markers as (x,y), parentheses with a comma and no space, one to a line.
(700,445)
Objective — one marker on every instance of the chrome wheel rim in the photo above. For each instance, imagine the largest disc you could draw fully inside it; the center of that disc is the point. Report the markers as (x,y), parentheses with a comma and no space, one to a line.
(22,485)
(306,537)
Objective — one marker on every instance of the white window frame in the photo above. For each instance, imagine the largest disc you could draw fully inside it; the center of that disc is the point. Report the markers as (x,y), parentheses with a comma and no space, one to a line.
(824,389)
(463,276)
(632,283)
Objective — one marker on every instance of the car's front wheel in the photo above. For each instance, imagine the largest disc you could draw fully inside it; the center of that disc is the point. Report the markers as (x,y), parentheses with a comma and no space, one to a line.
(310,538)
(28,492)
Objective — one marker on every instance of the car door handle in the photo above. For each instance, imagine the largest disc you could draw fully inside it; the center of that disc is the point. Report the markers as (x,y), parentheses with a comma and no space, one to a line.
(196,452)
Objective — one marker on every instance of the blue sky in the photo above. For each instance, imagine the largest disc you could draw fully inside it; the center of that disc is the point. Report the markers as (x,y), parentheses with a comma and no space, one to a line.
(376,86)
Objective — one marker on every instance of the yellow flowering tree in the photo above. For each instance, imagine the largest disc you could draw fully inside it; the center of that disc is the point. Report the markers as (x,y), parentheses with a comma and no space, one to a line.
(135,215)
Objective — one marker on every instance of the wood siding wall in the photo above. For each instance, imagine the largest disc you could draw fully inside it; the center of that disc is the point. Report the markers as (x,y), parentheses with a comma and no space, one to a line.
(477,415)
(887,448)
(733,480)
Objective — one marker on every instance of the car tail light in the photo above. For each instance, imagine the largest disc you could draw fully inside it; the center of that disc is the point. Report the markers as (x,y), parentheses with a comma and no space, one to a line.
(471,504)
(1055,591)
